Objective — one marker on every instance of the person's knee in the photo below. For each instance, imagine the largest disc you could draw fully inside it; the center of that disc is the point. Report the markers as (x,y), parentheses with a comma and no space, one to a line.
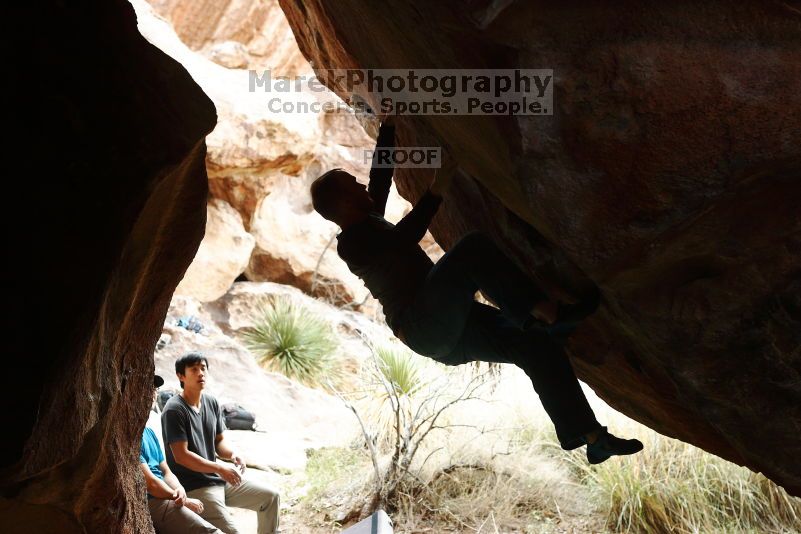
(272,499)
(475,238)
(474,242)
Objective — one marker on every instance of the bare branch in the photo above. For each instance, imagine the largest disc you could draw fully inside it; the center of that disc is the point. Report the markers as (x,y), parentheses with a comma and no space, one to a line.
(368,439)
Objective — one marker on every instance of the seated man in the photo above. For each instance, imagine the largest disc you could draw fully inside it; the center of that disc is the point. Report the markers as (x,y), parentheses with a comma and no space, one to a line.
(193,429)
(432,309)
(171,510)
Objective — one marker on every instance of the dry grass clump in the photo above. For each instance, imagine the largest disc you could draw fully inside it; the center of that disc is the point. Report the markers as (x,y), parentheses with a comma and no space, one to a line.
(673,487)
(491,463)
(480,468)
(335,474)
(524,491)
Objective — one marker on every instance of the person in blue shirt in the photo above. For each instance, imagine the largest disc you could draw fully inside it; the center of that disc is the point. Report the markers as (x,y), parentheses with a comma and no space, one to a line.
(171,510)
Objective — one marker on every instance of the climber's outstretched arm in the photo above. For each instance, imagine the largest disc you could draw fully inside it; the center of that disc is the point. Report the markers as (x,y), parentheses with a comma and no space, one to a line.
(416,222)
(381,177)
(445,173)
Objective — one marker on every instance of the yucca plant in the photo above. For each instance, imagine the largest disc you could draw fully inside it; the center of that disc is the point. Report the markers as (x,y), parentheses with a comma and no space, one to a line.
(393,375)
(400,371)
(291,340)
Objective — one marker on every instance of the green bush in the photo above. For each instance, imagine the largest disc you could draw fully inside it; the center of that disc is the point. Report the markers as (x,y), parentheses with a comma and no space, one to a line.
(290,339)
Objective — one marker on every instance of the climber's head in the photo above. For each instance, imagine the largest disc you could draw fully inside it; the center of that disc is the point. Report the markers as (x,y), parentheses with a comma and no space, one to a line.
(337,196)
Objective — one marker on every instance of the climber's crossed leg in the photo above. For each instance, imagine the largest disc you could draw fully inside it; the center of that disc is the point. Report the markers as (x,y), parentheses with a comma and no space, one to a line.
(447,324)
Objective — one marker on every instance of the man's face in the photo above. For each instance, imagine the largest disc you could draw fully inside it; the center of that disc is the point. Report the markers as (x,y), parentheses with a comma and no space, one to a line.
(354,195)
(194,376)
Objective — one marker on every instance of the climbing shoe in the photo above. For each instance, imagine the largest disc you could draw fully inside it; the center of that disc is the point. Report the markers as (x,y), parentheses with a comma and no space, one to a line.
(607,445)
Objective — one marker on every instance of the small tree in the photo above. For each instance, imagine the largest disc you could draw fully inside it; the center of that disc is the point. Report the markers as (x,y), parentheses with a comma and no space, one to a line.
(416,403)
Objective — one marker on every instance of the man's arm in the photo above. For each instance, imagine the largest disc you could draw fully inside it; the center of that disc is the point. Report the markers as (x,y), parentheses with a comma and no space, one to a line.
(414,225)
(226,451)
(172,482)
(155,486)
(181,499)
(381,177)
(195,462)
(444,175)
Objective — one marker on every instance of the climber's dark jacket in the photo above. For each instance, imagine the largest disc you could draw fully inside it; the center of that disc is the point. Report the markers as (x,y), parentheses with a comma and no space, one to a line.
(388,257)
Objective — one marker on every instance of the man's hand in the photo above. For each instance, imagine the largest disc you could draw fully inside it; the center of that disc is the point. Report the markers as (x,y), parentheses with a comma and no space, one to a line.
(194,505)
(230,474)
(239,462)
(179,497)
(444,175)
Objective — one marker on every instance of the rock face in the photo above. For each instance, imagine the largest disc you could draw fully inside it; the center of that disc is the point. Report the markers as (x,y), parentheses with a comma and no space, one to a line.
(261,161)
(120,191)
(236,33)
(223,254)
(668,176)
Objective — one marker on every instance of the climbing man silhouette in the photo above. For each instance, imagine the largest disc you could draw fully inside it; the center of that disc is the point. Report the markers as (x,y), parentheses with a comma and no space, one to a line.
(432,307)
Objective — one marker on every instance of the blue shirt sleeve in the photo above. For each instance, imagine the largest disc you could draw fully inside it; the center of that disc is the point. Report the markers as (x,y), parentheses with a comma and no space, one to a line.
(160,453)
(143,448)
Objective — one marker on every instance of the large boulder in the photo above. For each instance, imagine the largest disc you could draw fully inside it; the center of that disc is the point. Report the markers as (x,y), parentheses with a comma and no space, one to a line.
(262,162)
(236,33)
(222,257)
(120,187)
(294,245)
(668,176)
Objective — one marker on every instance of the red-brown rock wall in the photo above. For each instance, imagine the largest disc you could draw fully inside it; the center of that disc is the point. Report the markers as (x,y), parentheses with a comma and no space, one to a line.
(669,176)
(116,195)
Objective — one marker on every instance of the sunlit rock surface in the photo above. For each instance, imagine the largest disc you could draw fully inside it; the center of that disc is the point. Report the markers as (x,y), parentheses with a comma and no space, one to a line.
(236,33)
(223,254)
(261,160)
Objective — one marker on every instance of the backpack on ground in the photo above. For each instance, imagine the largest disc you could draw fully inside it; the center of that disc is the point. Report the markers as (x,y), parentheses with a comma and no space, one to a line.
(238,418)
(163,397)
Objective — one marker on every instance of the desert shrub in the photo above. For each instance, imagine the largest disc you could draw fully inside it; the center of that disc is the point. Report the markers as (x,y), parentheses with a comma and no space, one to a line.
(462,458)
(389,383)
(290,339)
(400,369)
(442,461)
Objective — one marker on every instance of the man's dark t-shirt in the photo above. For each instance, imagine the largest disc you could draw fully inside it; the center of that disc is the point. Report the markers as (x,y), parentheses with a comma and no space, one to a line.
(388,257)
(180,422)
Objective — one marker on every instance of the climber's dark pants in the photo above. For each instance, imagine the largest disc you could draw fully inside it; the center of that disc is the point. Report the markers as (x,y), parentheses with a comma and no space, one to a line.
(445,323)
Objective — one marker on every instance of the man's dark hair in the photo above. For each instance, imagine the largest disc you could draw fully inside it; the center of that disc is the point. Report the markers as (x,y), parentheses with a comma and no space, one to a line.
(323,192)
(188,360)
